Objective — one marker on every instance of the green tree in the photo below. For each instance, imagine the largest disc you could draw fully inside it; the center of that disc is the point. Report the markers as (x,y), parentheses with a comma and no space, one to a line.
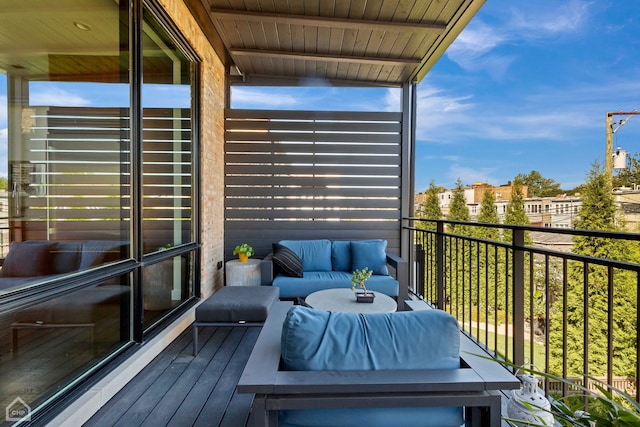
(516,214)
(488,214)
(4,183)
(430,207)
(457,250)
(490,291)
(458,210)
(598,212)
(538,185)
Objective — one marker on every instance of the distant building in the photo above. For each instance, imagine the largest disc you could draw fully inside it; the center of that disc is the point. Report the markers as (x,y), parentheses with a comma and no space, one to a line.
(628,202)
(474,193)
(560,211)
(553,212)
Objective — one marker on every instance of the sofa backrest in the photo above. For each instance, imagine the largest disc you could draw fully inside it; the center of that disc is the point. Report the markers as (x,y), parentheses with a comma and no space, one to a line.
(50,257)
(340,255)
(315,340)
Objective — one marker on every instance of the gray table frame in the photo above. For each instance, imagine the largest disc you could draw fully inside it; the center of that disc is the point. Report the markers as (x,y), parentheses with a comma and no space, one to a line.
(476,385)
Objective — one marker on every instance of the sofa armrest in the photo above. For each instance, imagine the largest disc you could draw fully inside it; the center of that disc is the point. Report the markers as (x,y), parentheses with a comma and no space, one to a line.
(266,270)
(402,276)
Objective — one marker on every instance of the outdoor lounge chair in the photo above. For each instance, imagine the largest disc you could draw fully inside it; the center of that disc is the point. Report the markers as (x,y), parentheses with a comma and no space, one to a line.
(316,368)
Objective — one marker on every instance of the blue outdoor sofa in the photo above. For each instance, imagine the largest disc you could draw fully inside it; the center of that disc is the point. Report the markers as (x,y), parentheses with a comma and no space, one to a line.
(313,368)
(323,264)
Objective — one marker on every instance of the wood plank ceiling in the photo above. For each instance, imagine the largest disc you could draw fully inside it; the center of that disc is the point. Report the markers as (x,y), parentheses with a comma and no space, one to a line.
(363,42)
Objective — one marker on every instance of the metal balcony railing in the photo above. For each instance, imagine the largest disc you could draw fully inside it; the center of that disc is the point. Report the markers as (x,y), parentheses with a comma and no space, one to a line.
(569,314)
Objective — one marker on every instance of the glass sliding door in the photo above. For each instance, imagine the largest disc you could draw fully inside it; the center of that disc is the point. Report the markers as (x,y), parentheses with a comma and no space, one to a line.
(167,168)
(87,204)
(65,206)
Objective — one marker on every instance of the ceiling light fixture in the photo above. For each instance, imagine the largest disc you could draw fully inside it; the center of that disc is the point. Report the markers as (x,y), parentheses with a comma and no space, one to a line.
(82,26)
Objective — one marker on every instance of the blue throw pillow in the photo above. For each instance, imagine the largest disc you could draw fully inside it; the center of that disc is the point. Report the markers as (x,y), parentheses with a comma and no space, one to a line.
(341,255)
(370,253)
(287,260)
(314,254)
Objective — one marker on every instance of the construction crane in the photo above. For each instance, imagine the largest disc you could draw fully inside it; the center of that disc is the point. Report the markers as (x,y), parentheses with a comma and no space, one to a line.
(608,160)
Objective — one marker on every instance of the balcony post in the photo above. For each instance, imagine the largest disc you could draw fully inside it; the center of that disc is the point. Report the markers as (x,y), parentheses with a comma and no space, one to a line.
(518,296)
(440,264)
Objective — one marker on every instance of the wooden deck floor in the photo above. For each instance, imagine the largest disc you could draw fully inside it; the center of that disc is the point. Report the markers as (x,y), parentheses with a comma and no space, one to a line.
(178,389)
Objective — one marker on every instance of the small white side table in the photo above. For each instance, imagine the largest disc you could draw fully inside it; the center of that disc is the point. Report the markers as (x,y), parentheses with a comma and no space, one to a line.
(243,273)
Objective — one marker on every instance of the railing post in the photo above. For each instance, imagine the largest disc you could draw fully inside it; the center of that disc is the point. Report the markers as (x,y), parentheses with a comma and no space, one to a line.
(420,269)
(440,264)
(518,296)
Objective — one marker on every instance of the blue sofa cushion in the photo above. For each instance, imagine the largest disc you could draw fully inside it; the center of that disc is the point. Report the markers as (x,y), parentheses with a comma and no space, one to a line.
(98,252)
(315,340)
(314,254)
(312,281)
(65,257)
(27,259)
(321,340)
(341,255)
(373,417)
(369,253)
(287,260)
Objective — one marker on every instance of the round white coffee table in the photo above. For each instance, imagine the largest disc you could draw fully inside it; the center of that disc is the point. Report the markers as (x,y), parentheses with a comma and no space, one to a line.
(345,300)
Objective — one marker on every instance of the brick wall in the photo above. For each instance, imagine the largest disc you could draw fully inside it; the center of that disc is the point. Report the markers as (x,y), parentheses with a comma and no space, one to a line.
(212,92)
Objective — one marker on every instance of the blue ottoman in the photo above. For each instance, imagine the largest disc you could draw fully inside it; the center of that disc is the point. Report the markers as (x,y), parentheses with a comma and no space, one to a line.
(235,306)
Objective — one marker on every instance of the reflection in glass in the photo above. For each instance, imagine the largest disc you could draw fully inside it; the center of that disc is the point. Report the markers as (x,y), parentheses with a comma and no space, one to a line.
(64,190)
(45,346)
(165,285)
(66,184)
(65,187)
(167,147)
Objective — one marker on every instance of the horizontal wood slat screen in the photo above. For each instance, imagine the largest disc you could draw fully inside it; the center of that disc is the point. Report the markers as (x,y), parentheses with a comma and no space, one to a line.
(311,175)
(76,172)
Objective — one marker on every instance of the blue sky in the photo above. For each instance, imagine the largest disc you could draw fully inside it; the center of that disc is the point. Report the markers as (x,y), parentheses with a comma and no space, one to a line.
(526,86)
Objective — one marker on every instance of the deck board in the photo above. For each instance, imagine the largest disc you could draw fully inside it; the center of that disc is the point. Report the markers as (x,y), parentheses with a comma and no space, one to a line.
(178,389)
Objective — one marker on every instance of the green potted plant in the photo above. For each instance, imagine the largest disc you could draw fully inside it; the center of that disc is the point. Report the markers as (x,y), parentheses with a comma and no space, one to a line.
(244,251)
(358,278)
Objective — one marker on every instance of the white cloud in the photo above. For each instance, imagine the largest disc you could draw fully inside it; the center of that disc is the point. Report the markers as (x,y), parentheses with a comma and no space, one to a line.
(4,137)
(475,48)
(58,97)
(470,175)
(392,99)
(477,39)
(472,49)
(567,115)
(246,98)
(556,18)
(438,111)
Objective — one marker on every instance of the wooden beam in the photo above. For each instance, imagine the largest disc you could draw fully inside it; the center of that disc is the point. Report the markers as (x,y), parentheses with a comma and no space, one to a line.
(326,22)
(322,57)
